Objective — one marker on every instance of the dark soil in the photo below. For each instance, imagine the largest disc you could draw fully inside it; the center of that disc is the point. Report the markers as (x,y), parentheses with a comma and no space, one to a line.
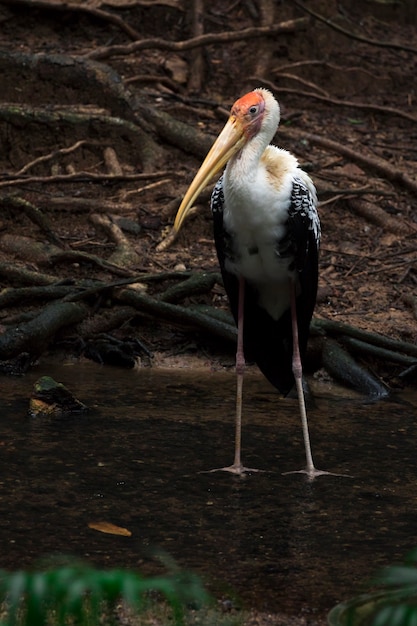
(321,78)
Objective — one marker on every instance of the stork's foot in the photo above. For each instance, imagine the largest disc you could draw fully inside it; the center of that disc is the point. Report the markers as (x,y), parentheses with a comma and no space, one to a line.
(313,473)
(236,468)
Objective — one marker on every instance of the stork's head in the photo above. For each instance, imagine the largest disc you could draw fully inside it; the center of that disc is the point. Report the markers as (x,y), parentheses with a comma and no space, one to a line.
(257,113)
(253,118)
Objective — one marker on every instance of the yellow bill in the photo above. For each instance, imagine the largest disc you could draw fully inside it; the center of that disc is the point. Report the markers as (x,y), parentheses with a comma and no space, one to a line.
(231,140)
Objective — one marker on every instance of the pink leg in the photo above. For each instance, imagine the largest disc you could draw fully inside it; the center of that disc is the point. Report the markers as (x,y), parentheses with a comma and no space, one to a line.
(237,467)
(297,369)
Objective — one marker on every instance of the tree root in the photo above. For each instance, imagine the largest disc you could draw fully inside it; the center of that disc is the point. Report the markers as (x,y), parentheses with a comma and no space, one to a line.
(92,82)
(176,314)
(338,329)
(34,214)
(196,284)
(175,132)
(124,255)
(374,214)
(24,276)
(346,370)
(35,336)
(22,115)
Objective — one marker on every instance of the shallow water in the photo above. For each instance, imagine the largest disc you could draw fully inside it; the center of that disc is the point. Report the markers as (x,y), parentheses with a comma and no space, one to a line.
(277,541)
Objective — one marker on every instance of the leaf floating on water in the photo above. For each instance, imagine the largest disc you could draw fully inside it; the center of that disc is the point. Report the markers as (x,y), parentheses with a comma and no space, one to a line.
(111,529)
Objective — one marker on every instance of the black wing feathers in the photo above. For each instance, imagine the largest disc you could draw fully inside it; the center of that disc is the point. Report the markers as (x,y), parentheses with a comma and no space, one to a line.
(268,342)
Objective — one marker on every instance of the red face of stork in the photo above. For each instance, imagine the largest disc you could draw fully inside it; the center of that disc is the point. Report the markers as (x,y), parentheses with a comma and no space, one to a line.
(244,123)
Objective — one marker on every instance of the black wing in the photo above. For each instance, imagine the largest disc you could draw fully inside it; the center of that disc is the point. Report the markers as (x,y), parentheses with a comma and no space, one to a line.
(303,231)
(268,342)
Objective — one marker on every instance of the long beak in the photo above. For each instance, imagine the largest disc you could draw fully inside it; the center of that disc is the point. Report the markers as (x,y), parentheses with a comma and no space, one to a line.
(231,140)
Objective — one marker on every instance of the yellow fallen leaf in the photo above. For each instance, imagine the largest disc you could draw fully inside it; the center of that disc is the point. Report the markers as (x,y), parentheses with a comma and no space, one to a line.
(111,529)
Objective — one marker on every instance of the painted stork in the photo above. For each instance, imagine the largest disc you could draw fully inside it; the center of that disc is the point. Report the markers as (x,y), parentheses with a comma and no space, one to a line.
(267,235)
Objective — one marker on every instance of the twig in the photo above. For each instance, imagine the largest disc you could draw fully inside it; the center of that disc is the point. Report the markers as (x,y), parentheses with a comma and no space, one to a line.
(69,203)
(74,256)
(134,192)
(53,155)
(148,78)
(13,181)
(332,66)
(307,83)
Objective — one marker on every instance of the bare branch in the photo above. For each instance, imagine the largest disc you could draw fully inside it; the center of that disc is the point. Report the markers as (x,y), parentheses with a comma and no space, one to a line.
(205,40)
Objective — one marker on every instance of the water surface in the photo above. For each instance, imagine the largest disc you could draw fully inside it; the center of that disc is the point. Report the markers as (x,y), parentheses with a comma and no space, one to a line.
(137,460)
